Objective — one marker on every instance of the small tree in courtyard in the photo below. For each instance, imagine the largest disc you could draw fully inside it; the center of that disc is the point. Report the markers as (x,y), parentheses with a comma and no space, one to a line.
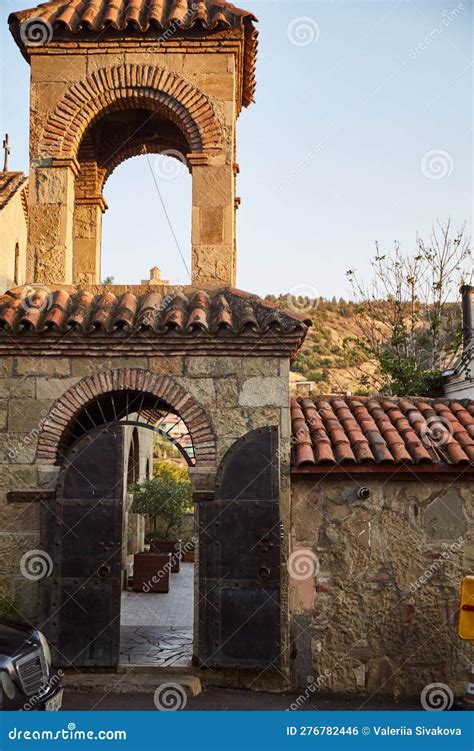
(165,498)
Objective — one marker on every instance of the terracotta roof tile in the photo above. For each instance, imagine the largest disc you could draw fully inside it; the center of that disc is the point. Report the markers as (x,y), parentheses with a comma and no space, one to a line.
(10,183)
(75,16)
(29,310)
(378,430)
(199,309)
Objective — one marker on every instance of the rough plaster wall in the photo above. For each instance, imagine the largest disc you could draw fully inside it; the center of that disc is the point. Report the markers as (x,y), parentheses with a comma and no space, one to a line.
(380,613)
(13,230)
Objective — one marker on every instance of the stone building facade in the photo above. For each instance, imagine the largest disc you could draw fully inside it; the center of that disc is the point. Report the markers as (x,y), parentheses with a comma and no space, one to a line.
(374,497)
(382,510)
(218,360)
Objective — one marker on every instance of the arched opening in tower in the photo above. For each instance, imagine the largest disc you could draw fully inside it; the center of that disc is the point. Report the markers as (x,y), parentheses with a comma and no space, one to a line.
(147,201)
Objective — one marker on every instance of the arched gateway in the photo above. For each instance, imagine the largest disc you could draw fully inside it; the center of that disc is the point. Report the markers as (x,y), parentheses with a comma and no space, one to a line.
(102,365)
(126,396)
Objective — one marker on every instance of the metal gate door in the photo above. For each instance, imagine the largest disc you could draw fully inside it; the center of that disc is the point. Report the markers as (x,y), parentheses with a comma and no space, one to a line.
(82,531)
(239,557)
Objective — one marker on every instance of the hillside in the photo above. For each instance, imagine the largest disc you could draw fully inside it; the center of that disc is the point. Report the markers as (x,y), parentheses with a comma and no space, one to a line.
(330,356)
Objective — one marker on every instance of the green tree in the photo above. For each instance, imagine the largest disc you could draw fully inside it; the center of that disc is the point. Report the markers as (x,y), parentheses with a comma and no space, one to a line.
(176,472)
(166,497)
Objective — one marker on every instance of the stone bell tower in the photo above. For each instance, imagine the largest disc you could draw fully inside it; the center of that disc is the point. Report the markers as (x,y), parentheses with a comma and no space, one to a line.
(113,80)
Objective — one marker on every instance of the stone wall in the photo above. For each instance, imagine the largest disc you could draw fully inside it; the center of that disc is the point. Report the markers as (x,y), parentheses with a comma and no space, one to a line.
(13,238)
(238,394)
(375,584)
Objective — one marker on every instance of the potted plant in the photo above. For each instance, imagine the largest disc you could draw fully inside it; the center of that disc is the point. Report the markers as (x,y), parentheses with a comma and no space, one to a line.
(165,499)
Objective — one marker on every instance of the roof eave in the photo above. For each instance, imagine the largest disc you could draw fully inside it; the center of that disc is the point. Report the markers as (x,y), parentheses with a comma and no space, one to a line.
(400,472)
(247,20)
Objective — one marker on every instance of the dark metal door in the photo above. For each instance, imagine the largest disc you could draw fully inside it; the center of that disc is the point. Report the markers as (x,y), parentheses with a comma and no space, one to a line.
(239,557)
(82,531)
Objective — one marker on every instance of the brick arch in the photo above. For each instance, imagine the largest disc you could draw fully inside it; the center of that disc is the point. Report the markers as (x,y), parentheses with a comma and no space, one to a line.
(134,379)
(135,148)
(122,86)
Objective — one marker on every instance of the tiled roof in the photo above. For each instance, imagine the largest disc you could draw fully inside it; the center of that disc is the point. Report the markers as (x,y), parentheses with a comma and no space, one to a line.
(330,430)
(10,183)
(27,310)
(142,15)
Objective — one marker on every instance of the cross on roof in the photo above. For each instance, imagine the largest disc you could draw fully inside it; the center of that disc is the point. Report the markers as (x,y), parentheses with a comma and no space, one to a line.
(6,150)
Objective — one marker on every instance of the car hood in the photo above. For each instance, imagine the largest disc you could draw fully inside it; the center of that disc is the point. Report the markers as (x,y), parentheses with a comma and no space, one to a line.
(15,638)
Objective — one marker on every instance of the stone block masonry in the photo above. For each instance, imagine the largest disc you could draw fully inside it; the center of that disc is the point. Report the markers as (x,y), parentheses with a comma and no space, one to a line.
(374,584)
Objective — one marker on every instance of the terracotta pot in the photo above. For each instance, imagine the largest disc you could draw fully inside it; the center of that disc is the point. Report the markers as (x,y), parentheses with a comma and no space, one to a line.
(168,546)
(151,572)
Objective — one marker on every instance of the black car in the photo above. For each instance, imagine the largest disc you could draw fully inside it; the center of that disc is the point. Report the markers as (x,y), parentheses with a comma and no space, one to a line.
(27,680)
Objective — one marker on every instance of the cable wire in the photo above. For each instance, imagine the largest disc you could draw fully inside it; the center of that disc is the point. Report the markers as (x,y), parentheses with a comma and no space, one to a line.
(167,216)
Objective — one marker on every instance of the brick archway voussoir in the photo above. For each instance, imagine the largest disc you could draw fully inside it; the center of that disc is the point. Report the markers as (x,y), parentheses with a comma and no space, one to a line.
(91,387)
(121,85)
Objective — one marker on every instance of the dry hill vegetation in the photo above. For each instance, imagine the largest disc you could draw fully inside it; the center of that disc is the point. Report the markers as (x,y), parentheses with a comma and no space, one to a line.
(332,355)
(402,328)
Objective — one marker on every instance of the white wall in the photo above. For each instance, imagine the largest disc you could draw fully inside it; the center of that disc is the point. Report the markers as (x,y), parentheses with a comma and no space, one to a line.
(13,230)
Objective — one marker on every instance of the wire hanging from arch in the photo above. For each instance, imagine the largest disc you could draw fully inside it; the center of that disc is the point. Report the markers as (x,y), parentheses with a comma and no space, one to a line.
(134,409)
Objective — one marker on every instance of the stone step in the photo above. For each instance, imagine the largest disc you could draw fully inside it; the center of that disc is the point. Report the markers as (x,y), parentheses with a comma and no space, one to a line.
(162,670)
(131,682)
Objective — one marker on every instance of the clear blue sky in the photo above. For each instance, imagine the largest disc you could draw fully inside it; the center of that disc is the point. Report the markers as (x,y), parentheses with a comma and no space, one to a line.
(362,131)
